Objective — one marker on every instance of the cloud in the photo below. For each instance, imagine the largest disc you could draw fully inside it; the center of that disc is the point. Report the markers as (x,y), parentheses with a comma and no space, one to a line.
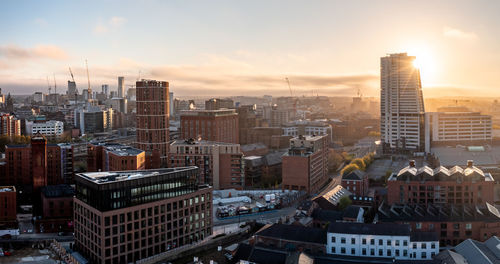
(41,22)
(459,34)
(38,52)
(113,23)
(117,21)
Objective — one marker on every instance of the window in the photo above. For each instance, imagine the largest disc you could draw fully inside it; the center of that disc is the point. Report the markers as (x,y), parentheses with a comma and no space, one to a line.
(456,226)
(418,225)
(397,243)
(333,239)
(342,240)
(424,255)
(372,241)
(414,245)
(380,242)
(372,252)
(389,252)
(424,245)
(380,252)
(397,252)
(433,245)
(333,249)
(389,242)
(342,250)
(364,241)
(468,226)
(405,243)
(363,251)
(405,253)
(353,241)
(353,251)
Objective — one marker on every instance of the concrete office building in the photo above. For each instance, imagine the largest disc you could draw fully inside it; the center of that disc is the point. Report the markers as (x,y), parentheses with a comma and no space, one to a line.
(47,128)
(121,87)
(213,125)
(94,120)
(122,217)
(152,120)
(456,127)
(305,166)
(221,164)
(401,104)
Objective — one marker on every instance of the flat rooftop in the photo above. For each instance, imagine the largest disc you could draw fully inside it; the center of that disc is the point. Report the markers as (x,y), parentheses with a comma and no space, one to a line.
(219,112)
(188,142)
(116,176)
(120,149)
(7,189)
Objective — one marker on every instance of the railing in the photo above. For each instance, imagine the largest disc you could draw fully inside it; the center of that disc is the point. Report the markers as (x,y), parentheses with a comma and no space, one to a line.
(62,253)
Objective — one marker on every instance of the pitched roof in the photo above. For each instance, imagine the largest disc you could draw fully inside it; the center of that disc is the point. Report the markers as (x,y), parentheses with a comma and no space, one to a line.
(387,229)
(450,257)
(355,175)
(352,211)
(294,233)
(480,252)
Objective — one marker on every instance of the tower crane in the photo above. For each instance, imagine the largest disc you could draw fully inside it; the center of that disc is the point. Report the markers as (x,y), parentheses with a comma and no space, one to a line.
(89,90)
(290,88)
(48,84)
(70,72)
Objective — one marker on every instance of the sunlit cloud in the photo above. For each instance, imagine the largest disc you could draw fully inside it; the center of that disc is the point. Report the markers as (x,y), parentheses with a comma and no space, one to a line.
(100,29)
(38,52)
(40,22)
(117,21)
(457,33)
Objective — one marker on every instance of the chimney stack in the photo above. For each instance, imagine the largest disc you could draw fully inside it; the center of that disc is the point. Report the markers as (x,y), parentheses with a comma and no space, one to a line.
(412,163)
(470,163)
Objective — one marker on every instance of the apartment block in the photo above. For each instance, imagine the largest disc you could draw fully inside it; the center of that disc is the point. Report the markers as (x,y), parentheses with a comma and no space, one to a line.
(212,125)
(114,157)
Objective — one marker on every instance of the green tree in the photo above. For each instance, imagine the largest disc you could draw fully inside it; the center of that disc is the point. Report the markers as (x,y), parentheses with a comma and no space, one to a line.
(348,169)
(344,202)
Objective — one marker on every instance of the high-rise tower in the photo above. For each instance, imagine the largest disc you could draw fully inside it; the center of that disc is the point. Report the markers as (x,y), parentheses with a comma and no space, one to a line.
(121,87)
(152,119)
(401,104)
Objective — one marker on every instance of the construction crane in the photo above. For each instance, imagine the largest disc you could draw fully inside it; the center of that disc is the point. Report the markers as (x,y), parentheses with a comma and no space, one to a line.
(55,84)
(89,90)
(48,84)
(70,72)
(289,87)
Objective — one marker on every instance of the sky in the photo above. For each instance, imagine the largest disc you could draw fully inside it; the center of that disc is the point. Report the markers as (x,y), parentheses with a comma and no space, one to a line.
(226,48)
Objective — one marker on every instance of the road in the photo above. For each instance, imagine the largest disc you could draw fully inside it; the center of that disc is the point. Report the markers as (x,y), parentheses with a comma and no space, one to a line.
(269,216)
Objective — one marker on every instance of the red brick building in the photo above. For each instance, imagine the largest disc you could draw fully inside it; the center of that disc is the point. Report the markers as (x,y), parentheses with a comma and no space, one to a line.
(452,223)
(8,207)
(212,125)
(114,157)
(29,167)
(469,185)
(57,204)
(152,125)
(221,164)
(305,166)
(9,125)
(356,182)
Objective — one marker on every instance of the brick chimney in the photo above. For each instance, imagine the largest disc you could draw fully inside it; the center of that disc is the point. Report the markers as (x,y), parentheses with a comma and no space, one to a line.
(470,163)
(412,163)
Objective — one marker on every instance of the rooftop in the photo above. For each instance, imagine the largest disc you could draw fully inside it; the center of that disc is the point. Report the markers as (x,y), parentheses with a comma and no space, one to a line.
(7,189)
(121,150)
(356,175)
(450,156)
(115,176)
(294,233)
(192,142)
(333,196)
(219,112)
(387,229)
(53,191)
(480,252)
(441,173)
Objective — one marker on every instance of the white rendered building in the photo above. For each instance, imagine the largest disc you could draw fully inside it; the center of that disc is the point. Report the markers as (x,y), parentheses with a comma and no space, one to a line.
(48,128)
(382,240)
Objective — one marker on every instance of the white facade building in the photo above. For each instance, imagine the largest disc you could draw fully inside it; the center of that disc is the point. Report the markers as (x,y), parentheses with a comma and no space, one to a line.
(307,128)
(456,127)
(382,240)
(48,128)
(401,104)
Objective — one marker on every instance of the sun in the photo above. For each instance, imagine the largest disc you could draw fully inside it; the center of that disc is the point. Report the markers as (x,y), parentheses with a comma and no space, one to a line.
(425,62)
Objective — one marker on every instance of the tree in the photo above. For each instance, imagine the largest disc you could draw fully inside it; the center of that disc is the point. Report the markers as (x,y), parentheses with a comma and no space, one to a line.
(334,160)
(361,164)
(348,169)
(368,159)
(344,202)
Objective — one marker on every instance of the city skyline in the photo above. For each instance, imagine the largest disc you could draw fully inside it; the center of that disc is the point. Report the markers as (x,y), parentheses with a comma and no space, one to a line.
(232,48)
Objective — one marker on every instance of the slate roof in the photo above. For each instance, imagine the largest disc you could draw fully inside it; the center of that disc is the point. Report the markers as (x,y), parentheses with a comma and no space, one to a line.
(450,257)
(480,252)
(438,213)
(355,175)
(352,211)
(294,233)
(387,229)
(423,236)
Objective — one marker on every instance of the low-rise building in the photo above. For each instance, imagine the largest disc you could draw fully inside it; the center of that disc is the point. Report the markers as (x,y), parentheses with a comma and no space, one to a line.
(457,185)
(452,223)
(114,157)
(48,128)
(381,240)
(8,203)
(308,128)
(221,164)
(356,182)
(57,204)
(305,166)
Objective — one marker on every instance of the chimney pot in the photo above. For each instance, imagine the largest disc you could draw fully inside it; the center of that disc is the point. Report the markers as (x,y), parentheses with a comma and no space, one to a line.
(470,163)
(412,163)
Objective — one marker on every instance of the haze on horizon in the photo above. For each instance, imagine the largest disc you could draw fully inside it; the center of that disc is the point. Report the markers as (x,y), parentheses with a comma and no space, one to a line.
(225,48)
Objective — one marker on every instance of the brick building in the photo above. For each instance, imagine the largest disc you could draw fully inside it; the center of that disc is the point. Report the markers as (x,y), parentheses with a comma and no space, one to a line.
(28,167)
(114,157)
(122,217)
(272,137)
(9,125)
(469,185)
(305,166)
(221,164)
(247,120)
(217,103)
(152,99)
(452,223)
(57,204)
(8,207)
(212,125)
(356,182)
